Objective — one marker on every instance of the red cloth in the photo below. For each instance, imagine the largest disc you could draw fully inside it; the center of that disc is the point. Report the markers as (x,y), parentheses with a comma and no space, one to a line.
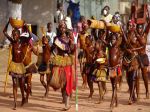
(119,71)
(69,79)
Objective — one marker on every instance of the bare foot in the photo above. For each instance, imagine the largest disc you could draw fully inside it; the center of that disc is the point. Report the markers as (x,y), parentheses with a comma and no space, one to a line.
(23,102)
(67,108)
(98,102)
(130,102)
(147,95)
(14,108)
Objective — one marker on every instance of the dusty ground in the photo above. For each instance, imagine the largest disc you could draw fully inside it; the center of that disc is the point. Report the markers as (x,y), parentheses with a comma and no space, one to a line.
(53,103)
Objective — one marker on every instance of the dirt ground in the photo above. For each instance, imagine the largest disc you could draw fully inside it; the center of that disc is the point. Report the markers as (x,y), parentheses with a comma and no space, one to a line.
(53,103)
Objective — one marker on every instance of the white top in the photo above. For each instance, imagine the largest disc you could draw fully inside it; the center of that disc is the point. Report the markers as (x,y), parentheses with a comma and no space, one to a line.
(108,18)
(68,23)
(51,36)
(59,16)
(75,35)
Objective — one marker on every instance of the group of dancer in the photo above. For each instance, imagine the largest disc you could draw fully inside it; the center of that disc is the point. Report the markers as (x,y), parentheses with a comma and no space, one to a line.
(103,53)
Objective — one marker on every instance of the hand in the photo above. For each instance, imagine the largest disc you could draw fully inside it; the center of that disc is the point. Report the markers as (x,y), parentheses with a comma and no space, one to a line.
(129,50)
(133,50)
(44,40)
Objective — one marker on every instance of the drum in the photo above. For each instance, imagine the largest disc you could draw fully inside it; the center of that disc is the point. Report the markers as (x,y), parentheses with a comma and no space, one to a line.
(114,28)
(96,24)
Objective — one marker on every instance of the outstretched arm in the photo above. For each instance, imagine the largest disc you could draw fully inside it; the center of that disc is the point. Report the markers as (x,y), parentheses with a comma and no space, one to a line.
(137,48)
(6,34)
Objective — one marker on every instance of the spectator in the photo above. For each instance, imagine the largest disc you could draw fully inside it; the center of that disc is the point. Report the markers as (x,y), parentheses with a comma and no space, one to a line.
(50,34)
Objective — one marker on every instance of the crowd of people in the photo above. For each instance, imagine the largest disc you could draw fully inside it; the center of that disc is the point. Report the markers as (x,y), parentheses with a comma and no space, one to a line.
(103,54)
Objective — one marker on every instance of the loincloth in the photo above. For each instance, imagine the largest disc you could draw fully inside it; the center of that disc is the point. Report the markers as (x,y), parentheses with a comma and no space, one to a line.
(143,60)
(44,68)
(99,75)
(133,65)
(88,68)
(31,68)
(17,68)
(115,71)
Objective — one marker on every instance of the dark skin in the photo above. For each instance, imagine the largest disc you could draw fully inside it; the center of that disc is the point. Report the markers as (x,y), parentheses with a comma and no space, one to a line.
(114,60)
(82,38)
(89,50)
(114,53)
(17,57)
(100,53)
(27,49)
(142,38)
(45,59)
(132,77)
(62,52)
(131,43)
(49,27)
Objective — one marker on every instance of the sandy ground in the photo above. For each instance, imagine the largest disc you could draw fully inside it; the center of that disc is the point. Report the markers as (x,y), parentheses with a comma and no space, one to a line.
(53,103)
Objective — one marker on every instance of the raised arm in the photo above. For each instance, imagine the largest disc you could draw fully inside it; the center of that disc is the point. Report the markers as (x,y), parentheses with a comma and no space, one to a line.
(6,34)
(124,35)
(147,28)
(35,51)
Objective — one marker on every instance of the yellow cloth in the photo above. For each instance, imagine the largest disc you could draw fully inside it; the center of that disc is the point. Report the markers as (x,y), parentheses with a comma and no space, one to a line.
(62,61)
(100,74)
(17,68)
(107,18)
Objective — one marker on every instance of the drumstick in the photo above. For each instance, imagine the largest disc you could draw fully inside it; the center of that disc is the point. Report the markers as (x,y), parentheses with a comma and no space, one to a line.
(43,32)
(7,73)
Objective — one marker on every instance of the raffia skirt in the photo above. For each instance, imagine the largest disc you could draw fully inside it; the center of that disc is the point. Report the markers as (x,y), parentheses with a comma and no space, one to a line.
(17,69)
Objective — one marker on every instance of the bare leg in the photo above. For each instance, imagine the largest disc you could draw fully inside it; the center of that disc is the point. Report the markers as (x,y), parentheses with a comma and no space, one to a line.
(114,91)
(104,87)
(47,87)
(120,82)
(66,98)
(90,84)
(145,78)
(137,86)
(42,80)
(133,76)
(21,83)
(14,92)
(28,86)
(67,104)
(63,91)
(100,92)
